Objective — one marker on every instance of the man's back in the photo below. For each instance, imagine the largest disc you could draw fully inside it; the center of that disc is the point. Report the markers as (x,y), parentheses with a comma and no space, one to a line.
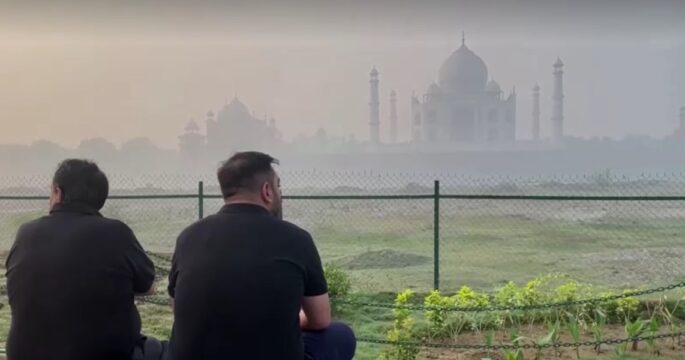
(238,280)
(71,279)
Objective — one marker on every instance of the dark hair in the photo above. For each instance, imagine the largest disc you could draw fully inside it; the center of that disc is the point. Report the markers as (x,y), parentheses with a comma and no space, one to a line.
(245,171)
(82,182)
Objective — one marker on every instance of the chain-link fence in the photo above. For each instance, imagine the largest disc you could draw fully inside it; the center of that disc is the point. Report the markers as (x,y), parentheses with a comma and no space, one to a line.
(411,230)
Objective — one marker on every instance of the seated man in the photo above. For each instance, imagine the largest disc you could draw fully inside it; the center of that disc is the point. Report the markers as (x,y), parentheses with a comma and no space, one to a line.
(246,284)
(72,276)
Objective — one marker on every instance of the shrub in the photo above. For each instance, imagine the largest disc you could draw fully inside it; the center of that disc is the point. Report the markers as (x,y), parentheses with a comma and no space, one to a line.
(436,317)
(339,284)
(402,332)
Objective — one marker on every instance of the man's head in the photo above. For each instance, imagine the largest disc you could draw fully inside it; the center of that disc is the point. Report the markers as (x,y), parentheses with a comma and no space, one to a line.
(249,177)
(79,182)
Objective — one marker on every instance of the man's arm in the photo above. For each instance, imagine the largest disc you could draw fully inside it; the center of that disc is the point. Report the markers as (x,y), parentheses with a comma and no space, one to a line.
(173,273)
(316,312)
(316,306)
(141,267)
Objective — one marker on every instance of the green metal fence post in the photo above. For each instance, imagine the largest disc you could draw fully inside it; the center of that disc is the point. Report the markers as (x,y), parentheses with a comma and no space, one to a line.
(436,236)
(200,200)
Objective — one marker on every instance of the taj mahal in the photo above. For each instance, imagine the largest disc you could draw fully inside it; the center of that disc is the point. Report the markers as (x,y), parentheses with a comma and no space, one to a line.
(465,108)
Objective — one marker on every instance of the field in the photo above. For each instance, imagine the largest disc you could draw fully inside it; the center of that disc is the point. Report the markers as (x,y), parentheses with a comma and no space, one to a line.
(386,246)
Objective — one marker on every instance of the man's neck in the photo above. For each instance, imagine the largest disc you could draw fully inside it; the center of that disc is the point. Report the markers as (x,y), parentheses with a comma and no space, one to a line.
(236,201)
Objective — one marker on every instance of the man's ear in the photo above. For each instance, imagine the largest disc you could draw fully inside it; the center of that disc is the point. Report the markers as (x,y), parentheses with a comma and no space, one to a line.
(56,195)
(267,193)
(59,195)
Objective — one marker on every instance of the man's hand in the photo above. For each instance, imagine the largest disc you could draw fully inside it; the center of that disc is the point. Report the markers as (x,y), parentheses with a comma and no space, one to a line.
(150,291)
(315,313)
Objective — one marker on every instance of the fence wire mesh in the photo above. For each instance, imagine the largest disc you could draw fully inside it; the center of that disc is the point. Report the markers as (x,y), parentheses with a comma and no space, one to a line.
(380,227)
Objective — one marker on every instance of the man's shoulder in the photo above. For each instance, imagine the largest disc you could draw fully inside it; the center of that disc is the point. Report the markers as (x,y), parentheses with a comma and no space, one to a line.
(199,226)
(88,221)
(30,226)
(111,224)
(33,223)
(50,221)
(217,220)
(294,229)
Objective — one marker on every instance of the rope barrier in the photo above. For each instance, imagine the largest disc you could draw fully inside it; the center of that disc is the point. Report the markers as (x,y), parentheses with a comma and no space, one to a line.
(521,346)
(163,301)
(627,294)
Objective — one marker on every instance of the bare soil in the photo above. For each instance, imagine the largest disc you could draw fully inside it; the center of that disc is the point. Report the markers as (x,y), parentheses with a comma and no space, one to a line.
(667,348)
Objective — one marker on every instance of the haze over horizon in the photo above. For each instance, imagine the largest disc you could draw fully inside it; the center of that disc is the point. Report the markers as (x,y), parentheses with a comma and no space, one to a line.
(120,70)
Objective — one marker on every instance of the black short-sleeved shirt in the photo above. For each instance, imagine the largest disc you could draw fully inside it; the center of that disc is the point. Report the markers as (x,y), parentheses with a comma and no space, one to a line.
(71,278)
(238,279)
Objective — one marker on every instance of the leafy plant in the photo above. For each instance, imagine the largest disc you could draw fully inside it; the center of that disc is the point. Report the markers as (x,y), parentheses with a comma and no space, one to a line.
(627,307)
(574,329)
(668,315)
(435,313)
(598,324)
(653,329)
(402,333)
(633,330)
(339,284)
(489,339)
(514,335)
(508,295)
(620,350)
(552,338)
(467,297)
(513,355)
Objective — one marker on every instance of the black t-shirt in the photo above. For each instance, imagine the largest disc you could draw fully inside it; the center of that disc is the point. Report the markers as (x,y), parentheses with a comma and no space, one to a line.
(71,278)
(238,279)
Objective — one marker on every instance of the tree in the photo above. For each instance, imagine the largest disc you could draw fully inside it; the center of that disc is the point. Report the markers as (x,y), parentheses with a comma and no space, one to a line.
(98,149)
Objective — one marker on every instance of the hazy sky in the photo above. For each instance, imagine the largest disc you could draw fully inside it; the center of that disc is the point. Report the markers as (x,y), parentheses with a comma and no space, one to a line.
(120,69)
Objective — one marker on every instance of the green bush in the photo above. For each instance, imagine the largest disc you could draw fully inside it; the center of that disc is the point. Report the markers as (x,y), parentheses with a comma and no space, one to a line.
(546,289)
(402,332)
(339,285)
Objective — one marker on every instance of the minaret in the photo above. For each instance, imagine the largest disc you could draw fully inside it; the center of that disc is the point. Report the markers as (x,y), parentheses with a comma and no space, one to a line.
(393,116)
(374,108)
(415,121)
(536,112)
(558,102)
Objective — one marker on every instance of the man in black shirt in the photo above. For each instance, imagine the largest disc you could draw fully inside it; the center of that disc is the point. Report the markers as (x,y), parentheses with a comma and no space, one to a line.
(246,284)
(72,276)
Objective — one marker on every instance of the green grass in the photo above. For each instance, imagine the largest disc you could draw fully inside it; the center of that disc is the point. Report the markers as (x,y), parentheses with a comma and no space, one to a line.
(388,246)
(482,243)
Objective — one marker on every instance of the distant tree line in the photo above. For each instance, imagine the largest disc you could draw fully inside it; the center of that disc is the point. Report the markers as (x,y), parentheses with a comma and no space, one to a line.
(139,155)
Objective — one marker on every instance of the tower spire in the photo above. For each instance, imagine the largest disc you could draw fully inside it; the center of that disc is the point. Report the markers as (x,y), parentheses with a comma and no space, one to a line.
(558,102)
(393,116)
(374,108)
(536,112)
(463,38)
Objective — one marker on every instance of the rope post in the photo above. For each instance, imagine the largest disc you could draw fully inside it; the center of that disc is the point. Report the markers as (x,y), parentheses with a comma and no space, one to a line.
(200,200)
(436,236)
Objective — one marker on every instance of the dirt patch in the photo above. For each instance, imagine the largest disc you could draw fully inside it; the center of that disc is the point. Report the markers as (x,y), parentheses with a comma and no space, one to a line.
(382,259)
(667,348)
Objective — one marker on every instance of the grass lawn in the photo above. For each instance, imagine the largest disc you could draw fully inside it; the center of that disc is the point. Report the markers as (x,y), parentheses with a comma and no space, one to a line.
(387,246)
